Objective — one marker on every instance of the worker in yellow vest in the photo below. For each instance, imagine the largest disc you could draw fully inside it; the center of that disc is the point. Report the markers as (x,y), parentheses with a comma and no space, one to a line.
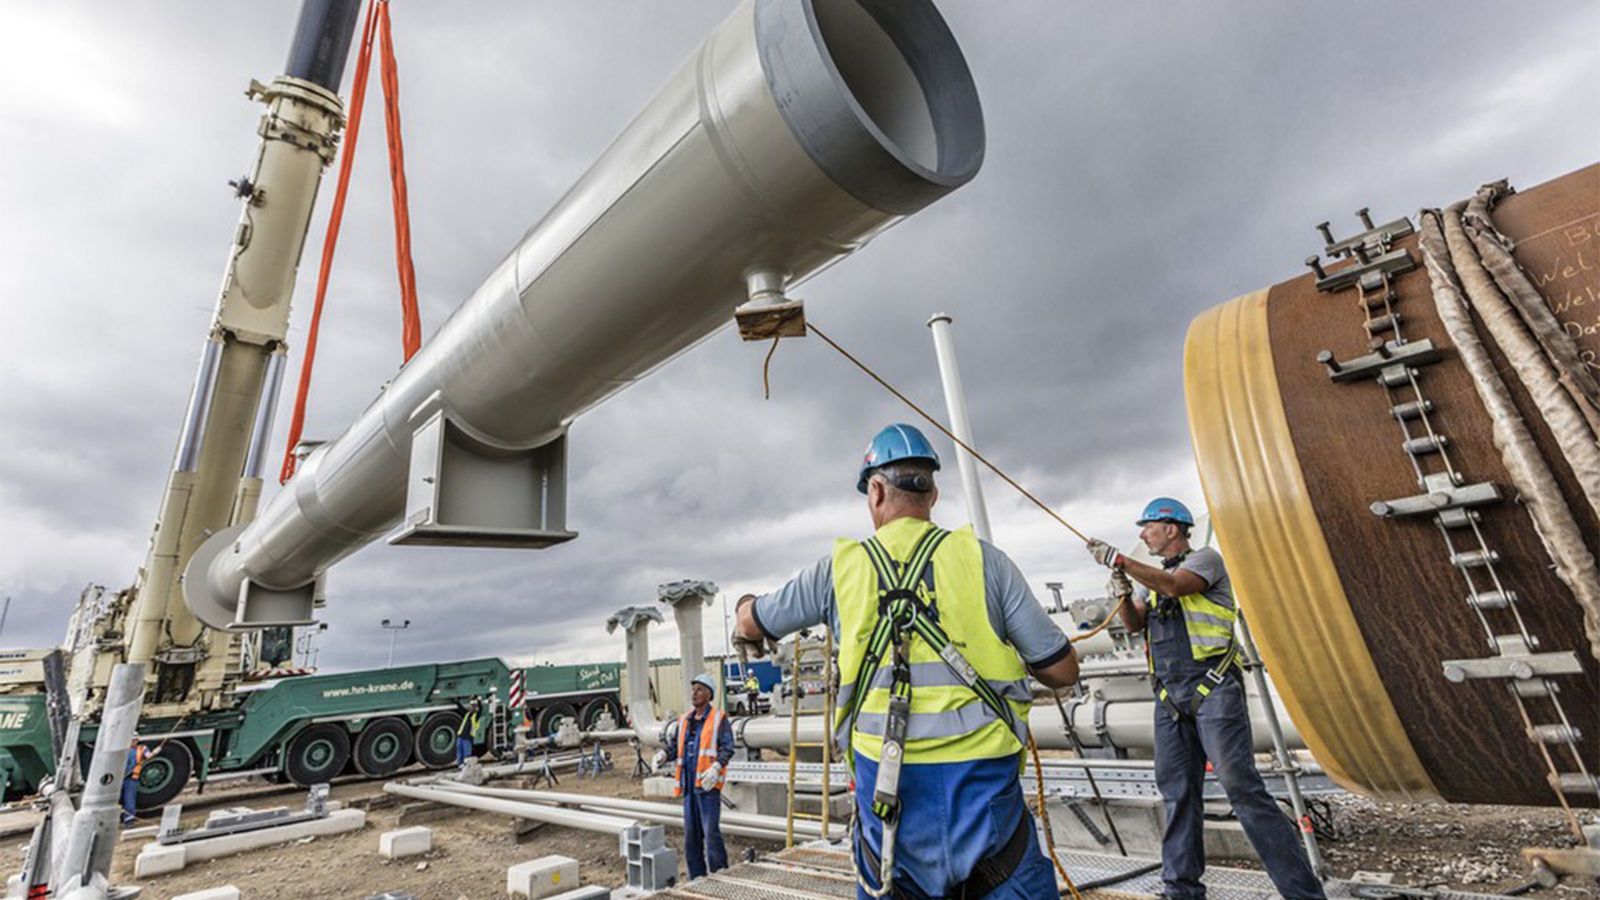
(937,633)
(1186,609)
(704,746)
(469,732)
(137,755)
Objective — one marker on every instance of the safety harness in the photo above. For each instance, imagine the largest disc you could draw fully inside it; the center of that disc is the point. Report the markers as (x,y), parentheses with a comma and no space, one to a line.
(1172,607)
(902,615)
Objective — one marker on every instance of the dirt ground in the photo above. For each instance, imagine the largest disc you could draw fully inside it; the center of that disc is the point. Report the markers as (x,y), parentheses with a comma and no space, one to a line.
(1467,848)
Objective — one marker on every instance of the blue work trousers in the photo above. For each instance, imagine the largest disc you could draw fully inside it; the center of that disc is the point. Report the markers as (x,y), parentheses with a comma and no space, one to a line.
(702,832)
(1220,731)
(952,816)
(130,798)
(463,748)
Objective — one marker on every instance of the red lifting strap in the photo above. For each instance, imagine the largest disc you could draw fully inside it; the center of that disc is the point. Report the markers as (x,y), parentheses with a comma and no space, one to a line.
(376,22)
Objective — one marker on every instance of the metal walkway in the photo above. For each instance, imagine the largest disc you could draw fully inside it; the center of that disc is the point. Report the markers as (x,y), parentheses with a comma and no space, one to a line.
(822,873)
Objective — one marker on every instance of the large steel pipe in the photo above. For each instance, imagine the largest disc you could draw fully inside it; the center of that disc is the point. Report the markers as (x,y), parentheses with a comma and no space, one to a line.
(1403,502)
(797,131)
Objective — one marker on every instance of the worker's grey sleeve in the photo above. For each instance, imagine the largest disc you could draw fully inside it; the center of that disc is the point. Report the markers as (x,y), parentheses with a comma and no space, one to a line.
(805,601)
(1207,563)
(1017,616)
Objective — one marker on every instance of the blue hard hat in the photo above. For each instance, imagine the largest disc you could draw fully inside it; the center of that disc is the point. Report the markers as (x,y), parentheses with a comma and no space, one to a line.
(1166,509)
(892,444)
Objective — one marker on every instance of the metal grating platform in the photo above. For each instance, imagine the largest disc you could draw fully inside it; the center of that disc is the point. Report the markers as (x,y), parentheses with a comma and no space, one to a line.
(824,873)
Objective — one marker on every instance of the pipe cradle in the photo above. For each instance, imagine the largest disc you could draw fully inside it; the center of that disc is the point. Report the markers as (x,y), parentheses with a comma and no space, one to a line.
(798,131)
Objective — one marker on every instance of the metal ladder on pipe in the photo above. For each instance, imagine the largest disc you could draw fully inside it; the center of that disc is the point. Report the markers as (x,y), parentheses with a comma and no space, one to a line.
(829,687)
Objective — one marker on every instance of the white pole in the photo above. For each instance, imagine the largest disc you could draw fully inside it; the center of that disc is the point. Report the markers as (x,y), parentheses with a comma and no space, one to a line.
(956,401)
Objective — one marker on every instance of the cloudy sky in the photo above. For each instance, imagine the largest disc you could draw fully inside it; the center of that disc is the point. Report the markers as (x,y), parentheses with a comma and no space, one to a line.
(1145,162)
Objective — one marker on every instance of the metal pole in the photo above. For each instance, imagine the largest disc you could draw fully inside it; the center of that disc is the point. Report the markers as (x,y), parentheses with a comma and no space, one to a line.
(1286,765)
(4,613)
(956,401)
(93,834)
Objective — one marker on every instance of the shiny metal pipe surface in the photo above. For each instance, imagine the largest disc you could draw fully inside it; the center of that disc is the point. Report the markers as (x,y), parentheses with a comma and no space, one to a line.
(797,131)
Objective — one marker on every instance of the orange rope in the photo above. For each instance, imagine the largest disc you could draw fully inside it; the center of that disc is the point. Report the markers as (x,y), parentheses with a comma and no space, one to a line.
(376,25)
(330,240)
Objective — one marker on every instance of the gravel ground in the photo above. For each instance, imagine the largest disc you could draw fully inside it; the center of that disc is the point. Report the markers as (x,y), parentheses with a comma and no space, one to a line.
(1470,848)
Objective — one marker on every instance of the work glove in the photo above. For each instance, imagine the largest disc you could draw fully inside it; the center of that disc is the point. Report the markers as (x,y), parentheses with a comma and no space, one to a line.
(1105,554)
(757,648)
(657,761)
(708,778)
(1119,588)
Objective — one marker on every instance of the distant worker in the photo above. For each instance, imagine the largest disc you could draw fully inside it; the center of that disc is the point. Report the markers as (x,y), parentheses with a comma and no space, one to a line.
(1202,712)
(137,755)
(752,693)
(468,731)
(706,737)
(937,632)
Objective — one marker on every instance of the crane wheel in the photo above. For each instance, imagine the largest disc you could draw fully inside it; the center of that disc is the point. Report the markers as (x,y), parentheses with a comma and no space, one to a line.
(164,775)
(594,709)
(384,747)
(317,754)
(548,720)
(436,740)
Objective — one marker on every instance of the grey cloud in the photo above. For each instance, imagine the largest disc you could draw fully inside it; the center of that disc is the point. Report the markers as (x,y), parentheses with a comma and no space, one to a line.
(1145,162)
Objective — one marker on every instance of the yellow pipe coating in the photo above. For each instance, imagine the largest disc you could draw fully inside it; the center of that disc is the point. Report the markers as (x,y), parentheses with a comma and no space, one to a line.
(1278,558)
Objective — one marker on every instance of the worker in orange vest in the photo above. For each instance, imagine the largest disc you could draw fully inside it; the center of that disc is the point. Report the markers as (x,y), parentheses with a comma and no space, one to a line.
(706,737)
(137,754)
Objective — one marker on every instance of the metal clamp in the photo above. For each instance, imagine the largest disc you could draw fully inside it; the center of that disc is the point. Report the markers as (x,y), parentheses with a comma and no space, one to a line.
(1441,498)
(1391,263)
(1385,355)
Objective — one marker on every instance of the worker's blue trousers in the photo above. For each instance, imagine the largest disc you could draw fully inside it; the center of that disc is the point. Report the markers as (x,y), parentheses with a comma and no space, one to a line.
(1220,731)
(702,832)
(130,798)
(463,749)
(952,816)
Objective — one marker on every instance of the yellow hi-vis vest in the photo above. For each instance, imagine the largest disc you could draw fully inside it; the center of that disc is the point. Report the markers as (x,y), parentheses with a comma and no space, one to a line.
(1210,628)
(948,723)
(705,754)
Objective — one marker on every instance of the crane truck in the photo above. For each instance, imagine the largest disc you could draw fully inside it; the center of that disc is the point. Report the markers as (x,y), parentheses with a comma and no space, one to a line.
(207,714)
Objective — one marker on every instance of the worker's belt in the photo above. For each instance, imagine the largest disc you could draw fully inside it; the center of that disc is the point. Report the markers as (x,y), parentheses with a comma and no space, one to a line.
(1210,681)
(990,872)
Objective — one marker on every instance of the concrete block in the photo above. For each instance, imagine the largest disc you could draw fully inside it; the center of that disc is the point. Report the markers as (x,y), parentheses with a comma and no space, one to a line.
(155,859)
(658,787)
(592,892)
(226,892)
(542,877)
(405,842)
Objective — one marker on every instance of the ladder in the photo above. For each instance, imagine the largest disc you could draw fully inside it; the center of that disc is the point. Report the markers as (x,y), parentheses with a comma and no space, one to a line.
(797,692)
(500,742)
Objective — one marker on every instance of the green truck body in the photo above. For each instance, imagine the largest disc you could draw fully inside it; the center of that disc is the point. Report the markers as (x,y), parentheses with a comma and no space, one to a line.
(311,728)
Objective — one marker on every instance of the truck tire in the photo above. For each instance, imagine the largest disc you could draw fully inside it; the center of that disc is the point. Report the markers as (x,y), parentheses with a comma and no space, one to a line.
(436,740)
(164,775)
(597,707)
(317,754)
(384,747)
(547,720)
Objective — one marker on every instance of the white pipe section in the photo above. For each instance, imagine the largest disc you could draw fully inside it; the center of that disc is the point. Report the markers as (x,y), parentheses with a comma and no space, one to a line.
(655,811)
(636,672)
(955,400)
(688,600)
(554,815)
(798,131)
